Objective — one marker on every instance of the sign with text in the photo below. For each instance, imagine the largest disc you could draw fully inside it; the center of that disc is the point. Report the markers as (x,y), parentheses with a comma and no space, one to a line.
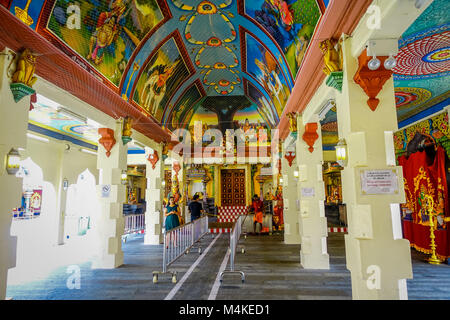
(308,192)
(106,190)
(379,182)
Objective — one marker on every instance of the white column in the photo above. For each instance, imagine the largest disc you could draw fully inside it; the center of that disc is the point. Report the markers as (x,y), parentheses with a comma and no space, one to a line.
(378,258)
(154,217)
(290,212)
(311,193)
(13,129)
(110,221)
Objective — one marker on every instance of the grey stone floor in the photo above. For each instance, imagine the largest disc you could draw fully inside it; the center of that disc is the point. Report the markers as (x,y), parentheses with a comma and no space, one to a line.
(272,271)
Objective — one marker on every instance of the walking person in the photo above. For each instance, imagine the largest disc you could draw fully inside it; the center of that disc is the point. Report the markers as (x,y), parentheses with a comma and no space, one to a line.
(196,208)
(257,206)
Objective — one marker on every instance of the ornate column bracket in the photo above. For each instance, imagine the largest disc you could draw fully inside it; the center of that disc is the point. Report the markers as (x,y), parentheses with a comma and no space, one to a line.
(290,156)
(107,139)
(23,78)
(371,81)
(153,159)
(310,136)
(126,131)
(333,63)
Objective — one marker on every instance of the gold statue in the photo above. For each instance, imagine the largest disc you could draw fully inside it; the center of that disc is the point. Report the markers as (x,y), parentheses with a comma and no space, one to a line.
(292,121)
(331,57)
(25,69)
(127,122)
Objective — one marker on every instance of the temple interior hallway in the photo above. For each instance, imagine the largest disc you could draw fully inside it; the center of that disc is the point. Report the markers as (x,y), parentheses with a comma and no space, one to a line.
(271,268)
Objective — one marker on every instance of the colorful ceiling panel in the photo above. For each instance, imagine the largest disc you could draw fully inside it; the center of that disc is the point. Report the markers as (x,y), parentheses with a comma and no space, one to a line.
(422,74)
(163,55)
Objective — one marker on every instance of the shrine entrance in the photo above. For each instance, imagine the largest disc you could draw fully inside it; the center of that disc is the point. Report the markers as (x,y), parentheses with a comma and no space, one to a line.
(233,187)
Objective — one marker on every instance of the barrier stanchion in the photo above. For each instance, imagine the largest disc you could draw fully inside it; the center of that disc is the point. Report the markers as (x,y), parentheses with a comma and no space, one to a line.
(179,241)
(234,240)
(134,223)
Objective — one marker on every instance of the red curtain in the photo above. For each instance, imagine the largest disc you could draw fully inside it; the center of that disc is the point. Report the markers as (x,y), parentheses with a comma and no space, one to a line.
(425,176)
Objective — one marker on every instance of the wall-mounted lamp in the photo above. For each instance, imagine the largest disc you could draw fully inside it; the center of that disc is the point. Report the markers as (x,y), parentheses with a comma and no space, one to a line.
(341,153)
(390,63)
(296,174)
(124,177)
(13,161)
(163,183)
(374,63)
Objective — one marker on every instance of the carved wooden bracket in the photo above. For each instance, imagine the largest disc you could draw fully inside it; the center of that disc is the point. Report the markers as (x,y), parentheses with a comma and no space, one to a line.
(153,159)
(310,136)
(290,156)
(371,81)
(107,139)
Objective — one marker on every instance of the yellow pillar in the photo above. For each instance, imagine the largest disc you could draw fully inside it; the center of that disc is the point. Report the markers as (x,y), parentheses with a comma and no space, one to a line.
(378,258)
(311,193)
(111,194)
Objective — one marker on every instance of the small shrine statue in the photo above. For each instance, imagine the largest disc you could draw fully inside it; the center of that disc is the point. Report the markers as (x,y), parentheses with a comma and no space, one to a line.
(331,57)
(292,121)
(126,131)
(25,69)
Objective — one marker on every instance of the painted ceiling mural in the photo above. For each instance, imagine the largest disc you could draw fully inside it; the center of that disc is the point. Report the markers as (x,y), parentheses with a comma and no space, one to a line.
(167,55)
(422,74)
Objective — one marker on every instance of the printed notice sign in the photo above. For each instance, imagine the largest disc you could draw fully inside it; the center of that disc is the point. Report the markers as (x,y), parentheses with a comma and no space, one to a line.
(308,192)
(106,190)
(379,182)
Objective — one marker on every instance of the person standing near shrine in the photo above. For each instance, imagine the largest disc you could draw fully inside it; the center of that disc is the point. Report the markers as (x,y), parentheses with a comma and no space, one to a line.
(172,212)
(257,206)
(196,208)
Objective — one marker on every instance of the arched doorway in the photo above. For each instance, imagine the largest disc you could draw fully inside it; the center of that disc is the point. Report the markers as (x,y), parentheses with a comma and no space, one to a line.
(34,224)
(81,207)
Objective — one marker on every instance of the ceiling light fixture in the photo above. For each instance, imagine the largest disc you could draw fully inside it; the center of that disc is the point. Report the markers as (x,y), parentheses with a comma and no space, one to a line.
(374,63)
(419,4)
(89,151)
(71,114)
(390,63)
(36,137)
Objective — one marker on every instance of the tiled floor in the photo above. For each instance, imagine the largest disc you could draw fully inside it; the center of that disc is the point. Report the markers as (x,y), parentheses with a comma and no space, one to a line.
(272,272)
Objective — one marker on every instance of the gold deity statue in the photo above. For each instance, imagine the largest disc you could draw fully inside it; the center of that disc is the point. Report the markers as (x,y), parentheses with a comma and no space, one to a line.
(331,57)
(292,121)
(25,69)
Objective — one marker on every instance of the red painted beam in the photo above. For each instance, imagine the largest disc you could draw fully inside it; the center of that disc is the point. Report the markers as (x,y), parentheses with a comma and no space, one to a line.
(341,16)
(56,67)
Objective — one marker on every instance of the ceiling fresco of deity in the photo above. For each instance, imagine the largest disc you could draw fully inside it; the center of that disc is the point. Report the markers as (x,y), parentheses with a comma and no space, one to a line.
(225,61)
(167,57)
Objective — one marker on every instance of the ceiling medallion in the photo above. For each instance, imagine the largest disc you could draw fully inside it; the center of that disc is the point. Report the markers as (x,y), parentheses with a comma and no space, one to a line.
(206,7)
(214,42)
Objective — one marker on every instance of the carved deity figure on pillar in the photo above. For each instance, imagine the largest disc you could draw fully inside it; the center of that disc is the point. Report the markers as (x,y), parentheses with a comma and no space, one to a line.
(331,57)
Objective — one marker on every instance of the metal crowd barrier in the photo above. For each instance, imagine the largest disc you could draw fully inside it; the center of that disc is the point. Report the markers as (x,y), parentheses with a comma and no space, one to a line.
(234,240)
(134,223)
(178,242)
